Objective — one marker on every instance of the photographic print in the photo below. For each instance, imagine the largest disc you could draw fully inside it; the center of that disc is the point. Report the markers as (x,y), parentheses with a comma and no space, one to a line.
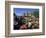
(26,18)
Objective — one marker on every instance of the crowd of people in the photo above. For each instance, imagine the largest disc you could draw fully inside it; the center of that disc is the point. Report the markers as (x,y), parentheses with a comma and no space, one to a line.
(23,22)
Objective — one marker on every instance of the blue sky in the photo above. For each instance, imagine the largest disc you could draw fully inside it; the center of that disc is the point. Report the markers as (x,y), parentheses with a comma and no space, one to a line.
(20,11)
